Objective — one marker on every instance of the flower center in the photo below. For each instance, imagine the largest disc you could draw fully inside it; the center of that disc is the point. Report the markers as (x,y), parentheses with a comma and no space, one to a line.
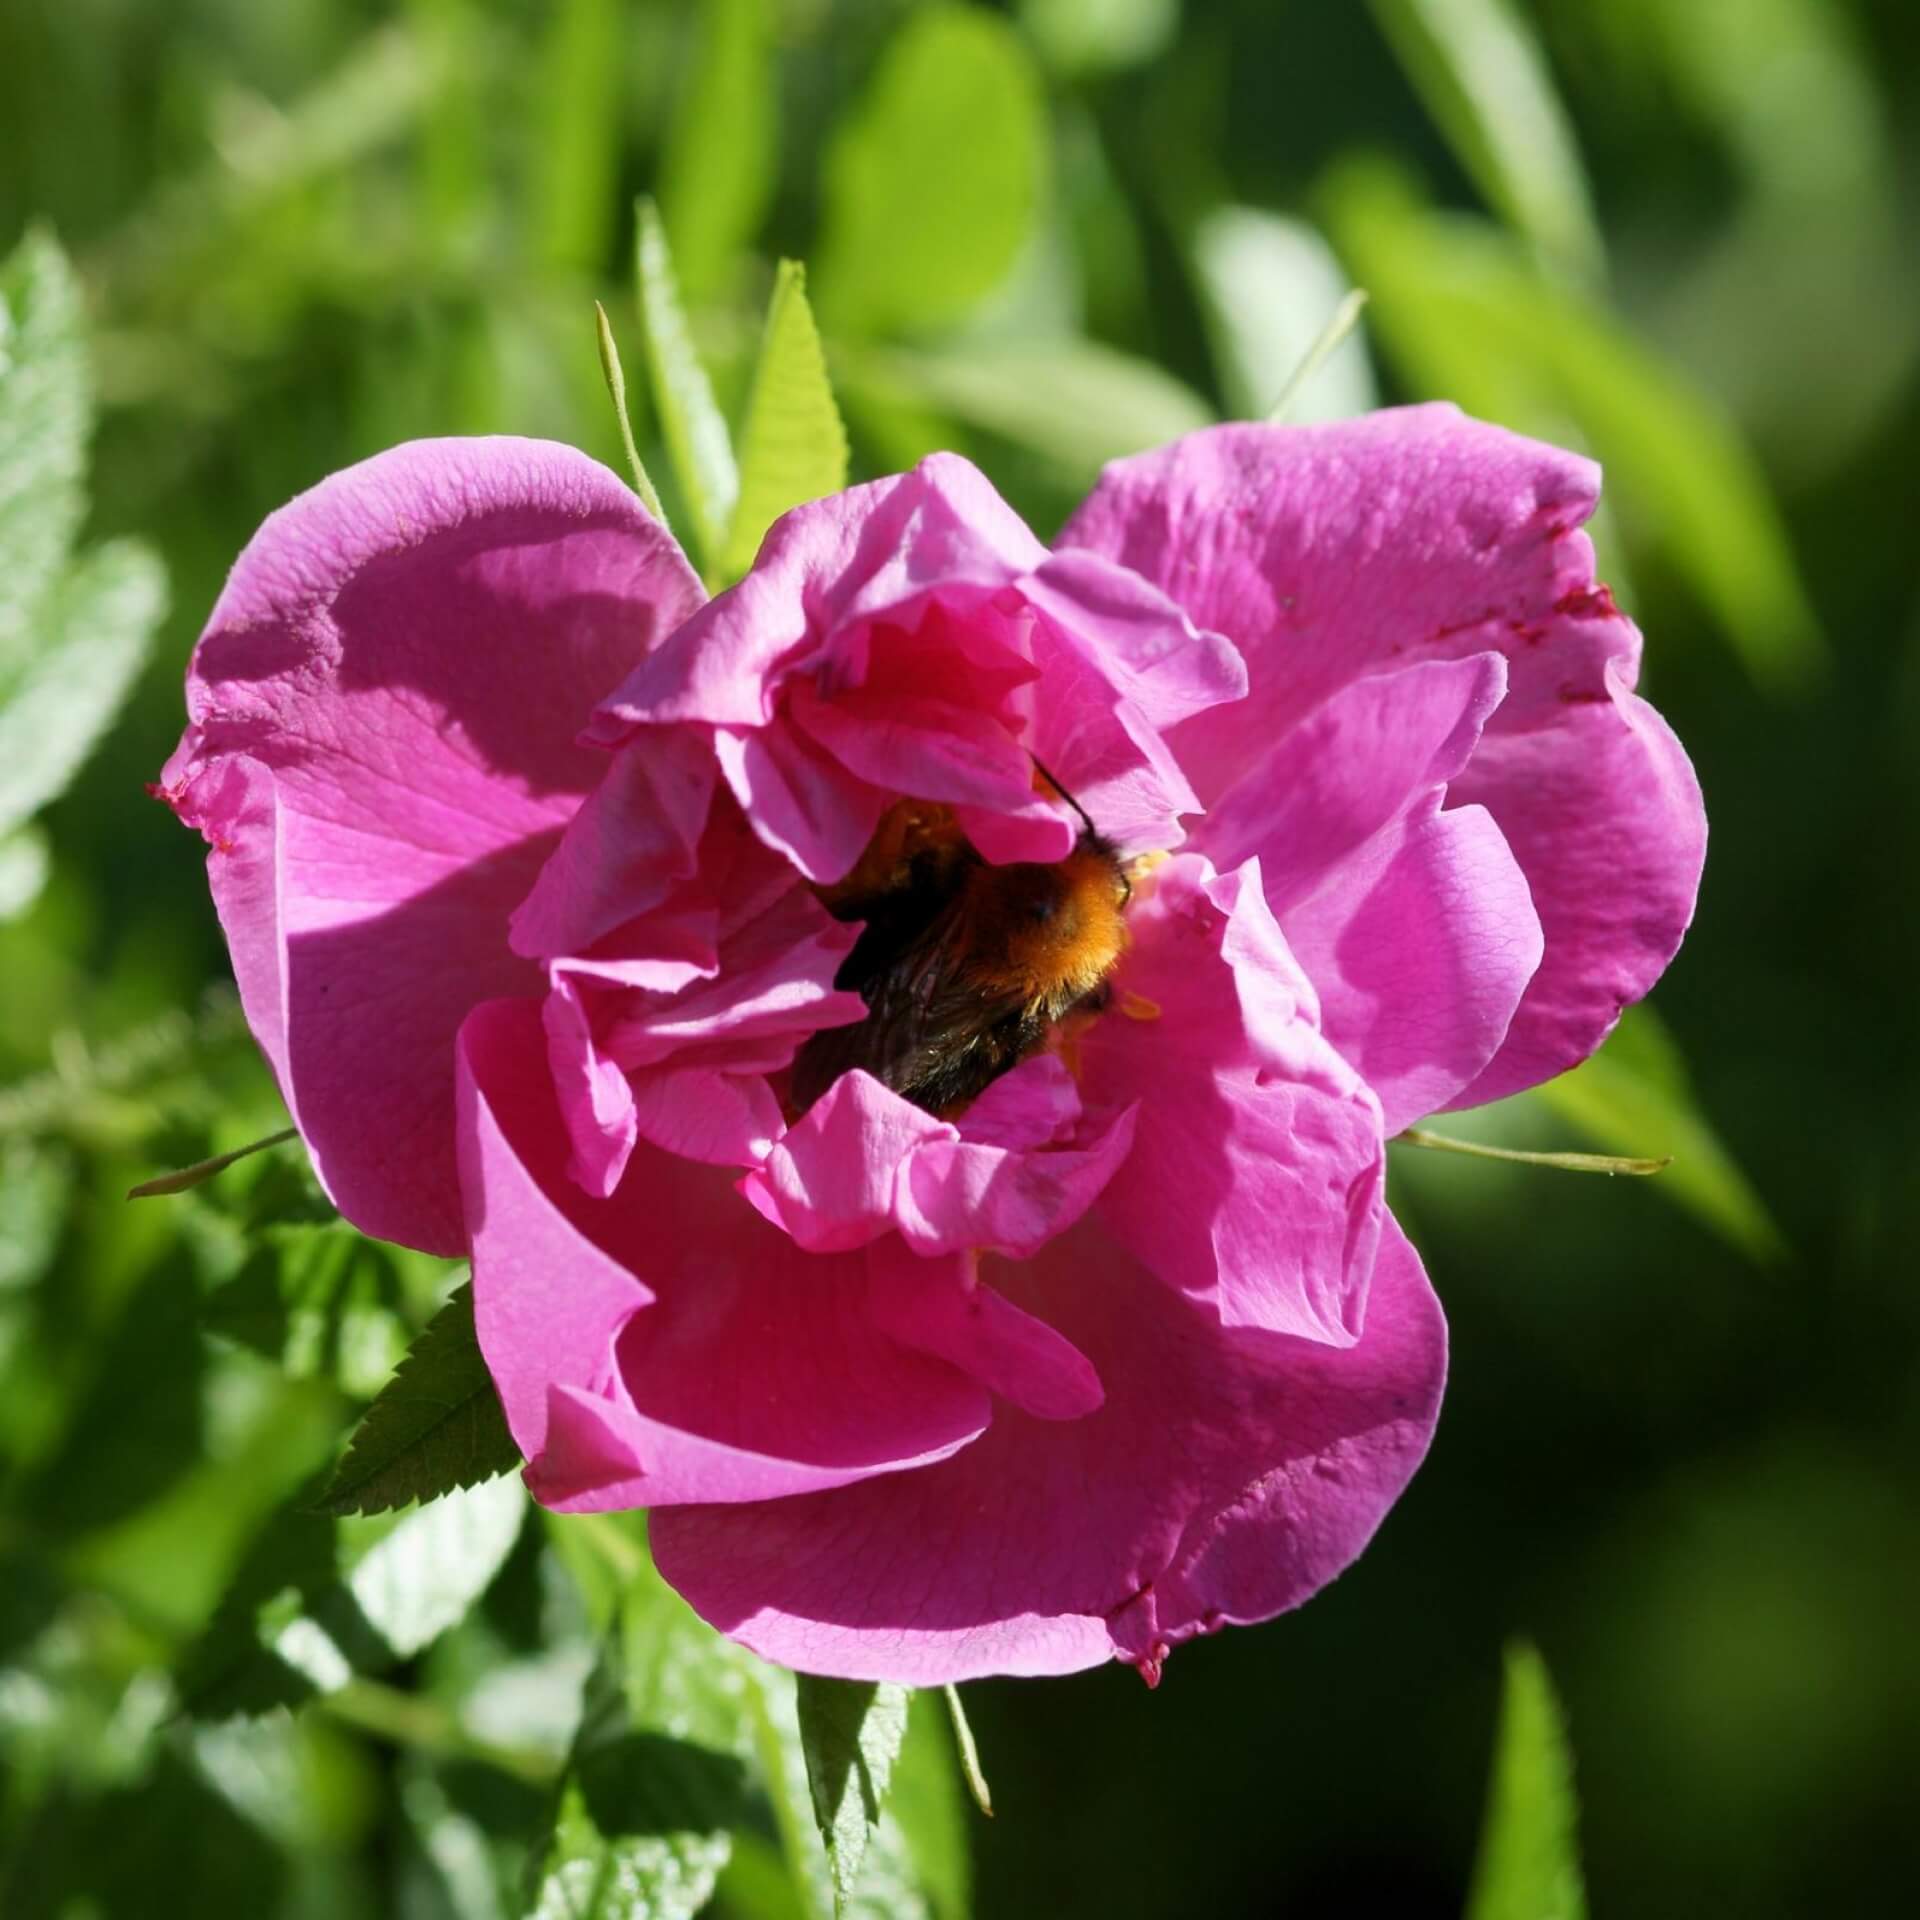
(966,968)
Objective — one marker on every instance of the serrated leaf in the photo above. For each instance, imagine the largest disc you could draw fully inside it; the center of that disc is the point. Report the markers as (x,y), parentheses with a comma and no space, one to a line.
(1633,1096)
(1466,317)
(794,447)
(690,419)
(717,170)
(319,1600)
(90,637)
(933,181)
(1268,286)
(642,1829)
(434,1427)
(45,414)
(1485,81)
(1529,1865)
(1076,403)
(850,1733)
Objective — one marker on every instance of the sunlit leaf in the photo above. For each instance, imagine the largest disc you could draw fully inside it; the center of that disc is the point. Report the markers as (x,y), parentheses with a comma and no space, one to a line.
(717,171)
(453,127)
(319,1600)
(45,413)
(756,1884)
(1633,1097)
(580,78)
(794,447)
(927,1801)
(1076,403)
(25,861)
(690,418)
(642,1828)
(1485,80)
(436,1425)
(35,1184)
(933,181)
(850,1732)
(1268,286)
(1097,36)
(94,628)
(1529,1864)
(1466,318)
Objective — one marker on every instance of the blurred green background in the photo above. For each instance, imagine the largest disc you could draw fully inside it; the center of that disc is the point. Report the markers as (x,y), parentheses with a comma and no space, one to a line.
(1680,1445)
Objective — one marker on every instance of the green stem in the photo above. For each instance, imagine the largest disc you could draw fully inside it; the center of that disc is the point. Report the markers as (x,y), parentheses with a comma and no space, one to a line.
(1346,316)
(1608,1163)
(617,388)
(969,1753)
(203,1170)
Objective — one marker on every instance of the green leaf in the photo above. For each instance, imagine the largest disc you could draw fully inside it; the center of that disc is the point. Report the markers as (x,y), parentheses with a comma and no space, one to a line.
(1529,1864)
(1076,403)
(436,1425)
(1467,318)
(643,1825)
(36,1184)
(1633,1096)
(1077,37)
(928,1802)
(717,172)
(1268,286)
(933,182)
(45,414)
(794,447)
(581,82)
(690,419)
(850,1732)
(319,1600)
(321,1302)
(1484,78)
(25,862)
(94,629)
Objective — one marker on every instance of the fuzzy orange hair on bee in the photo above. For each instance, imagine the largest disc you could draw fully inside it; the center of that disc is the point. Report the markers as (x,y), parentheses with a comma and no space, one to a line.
(966,967)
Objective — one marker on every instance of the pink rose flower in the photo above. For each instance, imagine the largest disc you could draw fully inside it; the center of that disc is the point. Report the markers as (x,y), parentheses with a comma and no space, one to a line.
(525,853)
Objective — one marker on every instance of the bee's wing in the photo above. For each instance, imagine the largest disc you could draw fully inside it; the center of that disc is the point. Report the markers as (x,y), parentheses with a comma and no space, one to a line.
(935,1032)
(932,1032)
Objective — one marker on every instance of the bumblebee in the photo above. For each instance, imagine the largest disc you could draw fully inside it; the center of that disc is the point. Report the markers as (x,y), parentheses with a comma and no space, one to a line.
(966,967)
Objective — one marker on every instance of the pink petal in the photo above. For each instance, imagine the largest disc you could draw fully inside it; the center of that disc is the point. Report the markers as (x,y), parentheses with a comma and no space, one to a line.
(1328,552)
(799,800)
(1255,1179)
(596,1103)
(665,1344)
(827,567)
(940,1307)
(1228,1476)
(1415,925)
(382,753)
(707,1114)
(1603,813)
(862,1162)
(626,849)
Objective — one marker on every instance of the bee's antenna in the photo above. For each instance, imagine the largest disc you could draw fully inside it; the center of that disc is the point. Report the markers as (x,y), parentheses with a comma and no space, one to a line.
(1040,767)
